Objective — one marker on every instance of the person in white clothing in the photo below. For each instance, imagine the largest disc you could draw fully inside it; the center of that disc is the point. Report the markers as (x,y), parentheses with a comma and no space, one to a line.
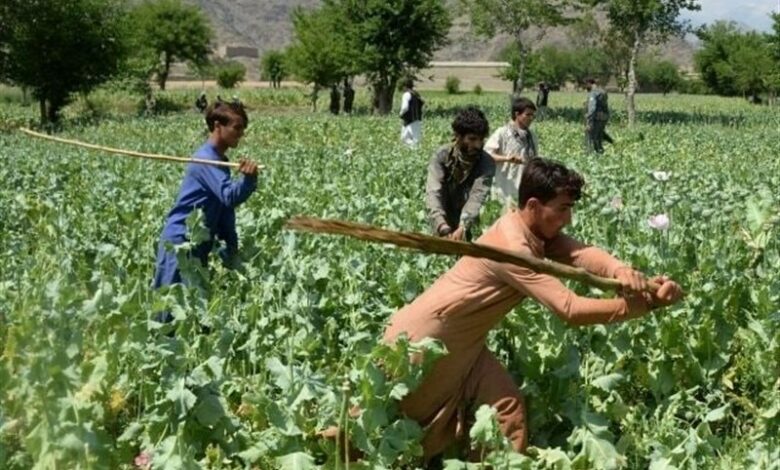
(511,146)
(411,115)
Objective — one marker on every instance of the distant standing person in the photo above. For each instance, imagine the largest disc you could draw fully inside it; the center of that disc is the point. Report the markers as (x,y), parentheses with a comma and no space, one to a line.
(411,115)
(335,99)
(511,146)
(349,96)
(202,103)
(459,177)
(596,117)
(542,95)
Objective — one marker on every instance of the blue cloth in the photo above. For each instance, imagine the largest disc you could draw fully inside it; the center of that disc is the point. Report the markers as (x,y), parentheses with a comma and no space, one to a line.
(208,188)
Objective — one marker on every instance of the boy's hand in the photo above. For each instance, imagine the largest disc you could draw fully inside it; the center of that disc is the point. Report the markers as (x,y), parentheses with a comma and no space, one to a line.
(669,293)
(631,279)
(247,167)
(458,234)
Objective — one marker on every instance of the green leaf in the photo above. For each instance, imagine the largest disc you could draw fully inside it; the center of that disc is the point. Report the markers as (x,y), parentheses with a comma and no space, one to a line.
(717,414)
(608,382)
(296,461)
(209,409)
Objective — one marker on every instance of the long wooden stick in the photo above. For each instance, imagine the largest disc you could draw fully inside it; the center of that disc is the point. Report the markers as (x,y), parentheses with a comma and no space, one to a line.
(131,153)
(444,246)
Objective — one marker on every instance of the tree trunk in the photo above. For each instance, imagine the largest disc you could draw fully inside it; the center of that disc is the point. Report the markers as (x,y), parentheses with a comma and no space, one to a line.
(162,76)
(631,91)
(519,83)
(53,111)
(384,90)
(314,96)
(521,69)
(42,108)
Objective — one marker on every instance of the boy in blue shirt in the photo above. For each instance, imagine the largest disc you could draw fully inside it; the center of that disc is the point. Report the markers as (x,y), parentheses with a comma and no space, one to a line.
(210,189)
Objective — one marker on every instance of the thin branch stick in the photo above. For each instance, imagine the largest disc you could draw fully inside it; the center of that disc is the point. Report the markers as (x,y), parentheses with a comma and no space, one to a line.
(443,246)
(131,153)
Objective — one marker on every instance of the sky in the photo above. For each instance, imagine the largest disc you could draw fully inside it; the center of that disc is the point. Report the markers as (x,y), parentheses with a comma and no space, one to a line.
(752,14)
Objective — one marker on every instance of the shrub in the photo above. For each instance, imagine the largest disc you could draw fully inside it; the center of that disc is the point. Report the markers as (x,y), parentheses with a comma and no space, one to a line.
(229,74)
(452,85)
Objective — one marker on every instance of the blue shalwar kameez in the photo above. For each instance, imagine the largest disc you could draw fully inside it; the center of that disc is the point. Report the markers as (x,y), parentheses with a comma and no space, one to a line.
(208,188)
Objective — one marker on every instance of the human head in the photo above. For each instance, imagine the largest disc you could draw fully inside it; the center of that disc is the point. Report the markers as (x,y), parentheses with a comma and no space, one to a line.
(590,83)
(408,84)
(548,191)
(471,128)
(523,111)
(226,121)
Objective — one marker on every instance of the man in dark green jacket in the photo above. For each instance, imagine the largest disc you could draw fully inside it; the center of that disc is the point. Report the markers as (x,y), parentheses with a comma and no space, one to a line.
(459,177)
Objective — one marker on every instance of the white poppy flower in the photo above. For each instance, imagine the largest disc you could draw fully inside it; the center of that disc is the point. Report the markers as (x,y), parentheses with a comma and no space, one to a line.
(659,222)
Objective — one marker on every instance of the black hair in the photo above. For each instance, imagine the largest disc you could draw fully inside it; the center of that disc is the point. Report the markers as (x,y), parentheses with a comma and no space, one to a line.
(544,179)
(520,104)
(470,120)
(224,112)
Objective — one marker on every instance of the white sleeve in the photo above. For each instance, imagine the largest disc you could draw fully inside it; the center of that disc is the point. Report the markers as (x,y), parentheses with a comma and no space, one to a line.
(405,102)
(493,144)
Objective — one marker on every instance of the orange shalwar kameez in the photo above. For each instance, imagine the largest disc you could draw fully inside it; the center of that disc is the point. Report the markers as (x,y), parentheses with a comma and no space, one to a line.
(466,302)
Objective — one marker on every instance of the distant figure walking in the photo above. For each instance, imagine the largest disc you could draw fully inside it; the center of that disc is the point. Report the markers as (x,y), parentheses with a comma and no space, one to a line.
(542,95)
(349,96)
(596,117)
(202,103)
(411,114)
(335,99)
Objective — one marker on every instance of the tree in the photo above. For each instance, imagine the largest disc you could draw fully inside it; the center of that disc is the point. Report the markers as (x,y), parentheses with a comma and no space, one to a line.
(318,54)
(773,41)
(171,32)
(389,39)
(59,47)
(272,68)
(732,62)
(638,22)
(658,75)
(524,20)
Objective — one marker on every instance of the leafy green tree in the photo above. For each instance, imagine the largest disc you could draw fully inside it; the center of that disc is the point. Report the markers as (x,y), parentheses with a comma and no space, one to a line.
(658,75)
(170,31)
(773,40)
(732,62)
(637,23)
(550,64)
(273,68)
(58,47)
(318,54)
(388,39)
(523,20)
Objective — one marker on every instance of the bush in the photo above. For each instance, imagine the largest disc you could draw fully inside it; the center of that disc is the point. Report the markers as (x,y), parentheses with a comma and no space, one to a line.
(658,75)
(229,74)
(693,86)
(477,89)
(452,85)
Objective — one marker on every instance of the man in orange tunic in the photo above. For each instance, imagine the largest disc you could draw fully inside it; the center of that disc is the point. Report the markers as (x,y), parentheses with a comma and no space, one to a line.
(465,303)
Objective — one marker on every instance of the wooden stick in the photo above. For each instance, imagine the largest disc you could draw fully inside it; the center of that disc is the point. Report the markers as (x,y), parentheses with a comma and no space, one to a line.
(444,246)
(131,153)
